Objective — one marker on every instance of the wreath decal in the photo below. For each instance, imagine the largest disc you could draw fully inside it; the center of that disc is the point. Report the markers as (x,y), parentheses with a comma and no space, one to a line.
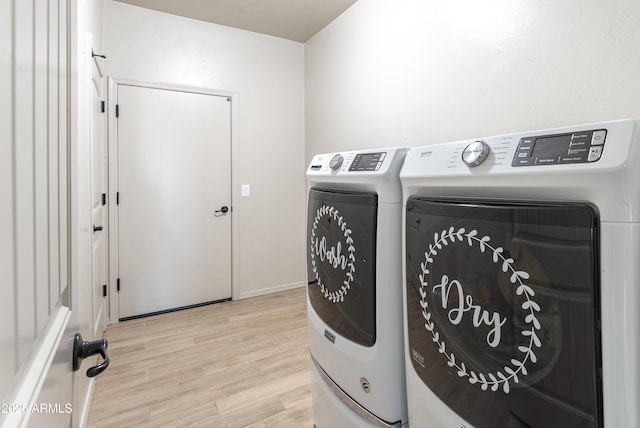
(349,261)
(517,367)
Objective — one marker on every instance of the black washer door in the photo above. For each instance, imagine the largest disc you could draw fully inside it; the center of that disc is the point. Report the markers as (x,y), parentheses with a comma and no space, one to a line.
(341,262)
(503,311)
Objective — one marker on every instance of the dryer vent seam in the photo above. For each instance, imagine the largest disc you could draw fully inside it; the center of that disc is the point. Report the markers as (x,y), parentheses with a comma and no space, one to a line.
(488,380)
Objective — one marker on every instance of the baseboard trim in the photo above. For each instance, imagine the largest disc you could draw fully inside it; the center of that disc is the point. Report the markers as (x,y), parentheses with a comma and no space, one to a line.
(181,308)
(270,290)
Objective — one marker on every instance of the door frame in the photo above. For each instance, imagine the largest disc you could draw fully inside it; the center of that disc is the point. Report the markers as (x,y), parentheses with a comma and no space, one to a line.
(112,142)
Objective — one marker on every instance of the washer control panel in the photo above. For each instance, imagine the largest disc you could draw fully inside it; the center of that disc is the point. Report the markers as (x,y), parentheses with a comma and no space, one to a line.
(352,162)
(367,161)
(574,147)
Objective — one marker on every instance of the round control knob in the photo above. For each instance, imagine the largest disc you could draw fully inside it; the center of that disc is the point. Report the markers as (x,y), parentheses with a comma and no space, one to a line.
(475,153)
(336,162)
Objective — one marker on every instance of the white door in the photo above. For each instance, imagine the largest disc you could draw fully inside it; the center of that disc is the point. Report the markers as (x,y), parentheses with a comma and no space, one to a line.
(174,187)
(43,171)
(99,212)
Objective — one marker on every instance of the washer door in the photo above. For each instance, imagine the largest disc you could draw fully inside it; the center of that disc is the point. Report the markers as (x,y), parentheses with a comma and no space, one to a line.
(503,310)
(341,261)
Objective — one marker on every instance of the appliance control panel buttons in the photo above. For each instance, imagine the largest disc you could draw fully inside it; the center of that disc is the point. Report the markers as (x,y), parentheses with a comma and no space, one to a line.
(598,137)
(595,153)
(367,161)
(475,153)
(336,162)
(574,147)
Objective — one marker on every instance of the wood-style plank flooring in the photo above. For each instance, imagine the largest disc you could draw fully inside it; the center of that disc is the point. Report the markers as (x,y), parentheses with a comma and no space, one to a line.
(236,364)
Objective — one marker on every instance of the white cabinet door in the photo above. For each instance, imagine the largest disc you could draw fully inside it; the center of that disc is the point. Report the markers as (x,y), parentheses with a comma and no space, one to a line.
(174,178)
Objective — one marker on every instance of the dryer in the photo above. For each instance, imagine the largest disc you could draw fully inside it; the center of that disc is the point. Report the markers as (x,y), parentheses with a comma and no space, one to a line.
(522,279)
(355,288)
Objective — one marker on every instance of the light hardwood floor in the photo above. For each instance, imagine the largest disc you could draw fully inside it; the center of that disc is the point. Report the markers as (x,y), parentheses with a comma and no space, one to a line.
(236,364)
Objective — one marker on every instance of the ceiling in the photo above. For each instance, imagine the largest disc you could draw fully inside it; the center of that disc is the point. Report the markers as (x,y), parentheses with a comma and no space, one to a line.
(296,20)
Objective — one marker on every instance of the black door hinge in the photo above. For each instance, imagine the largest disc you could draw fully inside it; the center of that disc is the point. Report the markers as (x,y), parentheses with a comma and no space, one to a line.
(117,110)
(104,290)
(118,284)
(117,198)
(102,107)
(104,199)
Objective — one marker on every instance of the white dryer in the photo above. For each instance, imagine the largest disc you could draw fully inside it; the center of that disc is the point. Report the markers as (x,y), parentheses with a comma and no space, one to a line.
(522,280)
(355,288)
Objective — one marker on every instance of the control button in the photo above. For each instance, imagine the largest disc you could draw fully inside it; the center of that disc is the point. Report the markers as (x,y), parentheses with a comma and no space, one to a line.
(524,153)
(595,153)
(579,143)
(582,136)
(598,137)
(577,152)
(336,162)
(546,161)
(573,159)
(525,146)
(524,162)
(475,153)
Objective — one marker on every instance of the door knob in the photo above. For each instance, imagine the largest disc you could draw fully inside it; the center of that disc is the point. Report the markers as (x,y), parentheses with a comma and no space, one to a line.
(83,349)
(97,228)
(223,210)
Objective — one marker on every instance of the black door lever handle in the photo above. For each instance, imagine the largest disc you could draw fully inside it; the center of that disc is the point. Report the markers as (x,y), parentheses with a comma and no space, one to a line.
(97,228)
(83,349)
(223,210)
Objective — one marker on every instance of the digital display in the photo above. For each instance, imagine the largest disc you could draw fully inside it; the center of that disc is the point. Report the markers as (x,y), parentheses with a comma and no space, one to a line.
(551,145)
(369,159)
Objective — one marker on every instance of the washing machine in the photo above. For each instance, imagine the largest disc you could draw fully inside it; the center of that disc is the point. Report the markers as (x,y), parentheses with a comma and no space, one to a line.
(522,280)
(354,293)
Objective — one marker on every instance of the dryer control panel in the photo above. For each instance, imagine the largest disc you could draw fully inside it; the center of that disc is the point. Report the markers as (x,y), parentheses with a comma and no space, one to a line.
(574,147)
(594,162)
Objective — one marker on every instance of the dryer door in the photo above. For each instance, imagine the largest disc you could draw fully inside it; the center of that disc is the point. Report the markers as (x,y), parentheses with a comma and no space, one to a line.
(503,311)
(341,261)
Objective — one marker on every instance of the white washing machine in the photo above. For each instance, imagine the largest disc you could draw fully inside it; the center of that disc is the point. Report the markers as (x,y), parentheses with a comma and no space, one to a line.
(522,279)
(354,294)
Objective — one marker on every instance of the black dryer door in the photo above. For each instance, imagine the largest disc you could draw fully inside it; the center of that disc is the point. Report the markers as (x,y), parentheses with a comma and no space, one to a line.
(341,261)
(503,311)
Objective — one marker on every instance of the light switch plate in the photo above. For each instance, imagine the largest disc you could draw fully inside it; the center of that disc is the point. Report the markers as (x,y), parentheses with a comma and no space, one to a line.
(246,190)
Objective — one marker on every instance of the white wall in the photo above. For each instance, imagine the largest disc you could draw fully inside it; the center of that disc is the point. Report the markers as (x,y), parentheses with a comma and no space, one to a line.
(267,76)
(418,72)
(90,20)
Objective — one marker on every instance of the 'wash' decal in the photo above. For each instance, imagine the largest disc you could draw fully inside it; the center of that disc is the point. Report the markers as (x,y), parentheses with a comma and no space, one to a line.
(338,255)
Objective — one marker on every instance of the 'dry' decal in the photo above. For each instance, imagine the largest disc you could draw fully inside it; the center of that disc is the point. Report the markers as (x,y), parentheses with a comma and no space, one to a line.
(451,296)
